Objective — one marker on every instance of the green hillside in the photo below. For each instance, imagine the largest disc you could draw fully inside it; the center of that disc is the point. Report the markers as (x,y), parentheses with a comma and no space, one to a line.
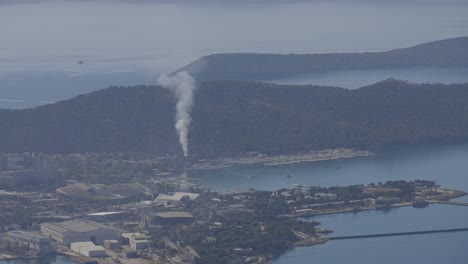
(230,117)
(252,66)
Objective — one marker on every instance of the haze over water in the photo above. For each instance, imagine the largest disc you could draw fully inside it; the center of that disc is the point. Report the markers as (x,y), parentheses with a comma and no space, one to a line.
(125,44)
(444,164)
(122,43)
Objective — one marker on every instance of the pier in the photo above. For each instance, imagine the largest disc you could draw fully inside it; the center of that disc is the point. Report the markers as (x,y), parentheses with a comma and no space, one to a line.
(400,233)
(450,202)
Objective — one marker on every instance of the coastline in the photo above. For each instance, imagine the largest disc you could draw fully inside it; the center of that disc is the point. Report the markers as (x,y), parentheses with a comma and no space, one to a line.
(353,209)
(320,238)
(281,159)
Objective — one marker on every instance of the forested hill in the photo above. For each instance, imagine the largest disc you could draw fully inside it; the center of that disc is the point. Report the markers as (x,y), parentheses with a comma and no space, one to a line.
(443,53)
(230,117)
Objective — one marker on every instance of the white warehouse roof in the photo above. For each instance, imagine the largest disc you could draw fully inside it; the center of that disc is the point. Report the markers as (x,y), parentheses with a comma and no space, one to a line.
(88,249)
(78,226)
(106,213)
(177,196)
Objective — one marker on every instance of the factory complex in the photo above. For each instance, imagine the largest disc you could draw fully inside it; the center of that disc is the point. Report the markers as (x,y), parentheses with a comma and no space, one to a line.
(69,232)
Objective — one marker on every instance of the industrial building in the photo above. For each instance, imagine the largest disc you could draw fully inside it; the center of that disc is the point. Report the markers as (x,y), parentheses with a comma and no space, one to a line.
(88,249)
(168,218)
(111,244)
(176,197)
(140,244)
(137,241)
(77,190)
(36,242)
(107,216)
(79,231)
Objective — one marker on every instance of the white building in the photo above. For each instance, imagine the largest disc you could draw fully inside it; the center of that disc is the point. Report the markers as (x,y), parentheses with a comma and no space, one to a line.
(176,197)
(327,196)
(36,242)
(111,244)
(138,241)
(79,231)
(88,249)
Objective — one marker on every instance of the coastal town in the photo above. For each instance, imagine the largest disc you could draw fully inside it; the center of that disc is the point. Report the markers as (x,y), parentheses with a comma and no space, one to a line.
(152,216)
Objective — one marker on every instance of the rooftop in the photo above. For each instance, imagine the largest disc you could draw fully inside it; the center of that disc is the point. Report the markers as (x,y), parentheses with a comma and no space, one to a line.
(27,235)
(76,226)
(173,214)
(86,245)
(177,196)
(76,190)
(106,213)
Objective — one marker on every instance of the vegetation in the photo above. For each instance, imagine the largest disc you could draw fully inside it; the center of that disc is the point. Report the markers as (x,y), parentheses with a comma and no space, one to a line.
(106,170)
(232,117)
(16,210)
(260,230)
(396,189)
(249,66)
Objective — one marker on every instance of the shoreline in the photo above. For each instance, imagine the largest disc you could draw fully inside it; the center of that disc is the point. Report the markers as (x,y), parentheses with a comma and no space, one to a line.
(456,194)
(281,159)
(320,238)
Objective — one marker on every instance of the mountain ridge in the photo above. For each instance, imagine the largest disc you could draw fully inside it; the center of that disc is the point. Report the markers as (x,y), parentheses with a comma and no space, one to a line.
(232,117)
(260,66)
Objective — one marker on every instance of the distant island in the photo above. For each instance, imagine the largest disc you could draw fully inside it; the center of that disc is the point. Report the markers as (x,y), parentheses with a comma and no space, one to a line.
(254,66)
(235,117)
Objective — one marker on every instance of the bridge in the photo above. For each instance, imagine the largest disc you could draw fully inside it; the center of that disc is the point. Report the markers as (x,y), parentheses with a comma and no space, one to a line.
(400,233)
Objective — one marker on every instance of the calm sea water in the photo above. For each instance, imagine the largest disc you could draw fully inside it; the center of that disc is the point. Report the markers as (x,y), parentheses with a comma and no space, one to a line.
(357,79)
(421,249)
(430,248)
(123,43)
(33,88)
(46,260)
(448,165)
(445,164)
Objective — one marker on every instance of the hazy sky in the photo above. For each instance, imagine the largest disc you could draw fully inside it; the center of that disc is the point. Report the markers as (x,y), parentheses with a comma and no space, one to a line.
(122,35)
(123,43)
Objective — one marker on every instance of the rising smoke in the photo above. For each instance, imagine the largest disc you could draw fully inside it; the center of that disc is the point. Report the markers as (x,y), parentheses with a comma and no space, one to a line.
(183,86)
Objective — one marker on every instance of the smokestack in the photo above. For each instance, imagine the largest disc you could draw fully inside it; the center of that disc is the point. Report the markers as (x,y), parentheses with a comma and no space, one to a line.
(183,87)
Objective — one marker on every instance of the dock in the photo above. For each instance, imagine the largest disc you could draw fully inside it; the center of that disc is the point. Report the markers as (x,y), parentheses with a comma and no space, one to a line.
(400,234)
(450,202)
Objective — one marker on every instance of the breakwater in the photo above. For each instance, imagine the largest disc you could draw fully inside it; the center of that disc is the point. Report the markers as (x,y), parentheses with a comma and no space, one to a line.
(400,233)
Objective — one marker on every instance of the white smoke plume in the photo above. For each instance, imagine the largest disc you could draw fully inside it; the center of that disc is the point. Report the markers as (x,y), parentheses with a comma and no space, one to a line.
(183,86)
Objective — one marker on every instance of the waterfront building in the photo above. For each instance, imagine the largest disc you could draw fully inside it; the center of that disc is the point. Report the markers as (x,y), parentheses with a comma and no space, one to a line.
(36,242)
(137,241)
(111,244)
(88,249)
(167,218)
(79,231)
